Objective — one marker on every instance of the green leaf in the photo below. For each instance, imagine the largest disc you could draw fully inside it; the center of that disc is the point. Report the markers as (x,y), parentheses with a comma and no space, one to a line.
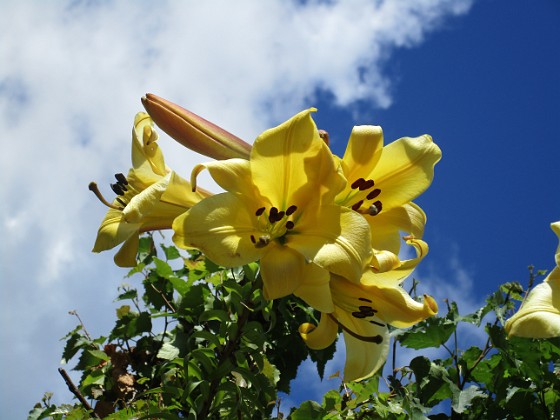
(308,410)
(463,399)
(171,252)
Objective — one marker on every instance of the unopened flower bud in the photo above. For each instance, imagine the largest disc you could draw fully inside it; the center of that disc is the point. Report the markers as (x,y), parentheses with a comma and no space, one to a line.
(194,132)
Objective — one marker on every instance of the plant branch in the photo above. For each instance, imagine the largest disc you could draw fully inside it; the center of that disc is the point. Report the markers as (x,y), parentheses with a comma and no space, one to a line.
(74,390)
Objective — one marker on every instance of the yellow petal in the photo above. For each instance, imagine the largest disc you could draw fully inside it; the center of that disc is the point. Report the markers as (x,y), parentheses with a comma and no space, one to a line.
(405,170)
(221,226)
(315,288)
(282,270)
(126,256)
(320,336)
(291,165)
(144,203)
(388,226)
(233,175)
(367,346)
(147,158)
(113,231)
(396,275)
(539,315)
(335,238)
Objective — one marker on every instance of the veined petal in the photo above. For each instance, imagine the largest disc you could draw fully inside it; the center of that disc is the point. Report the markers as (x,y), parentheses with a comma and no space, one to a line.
(315,288)
(320,336)
(233,175)
(387,226)
(291,165)
(405,170)
(334,238)
(351,250)
(367,346)
(362,154)
(144,203)
(221,226)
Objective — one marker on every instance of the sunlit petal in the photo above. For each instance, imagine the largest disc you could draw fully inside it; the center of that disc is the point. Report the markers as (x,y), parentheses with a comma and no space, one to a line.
(320,336)
(315,288)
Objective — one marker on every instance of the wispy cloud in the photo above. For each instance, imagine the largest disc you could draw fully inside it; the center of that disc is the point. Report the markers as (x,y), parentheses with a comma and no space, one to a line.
(71,77)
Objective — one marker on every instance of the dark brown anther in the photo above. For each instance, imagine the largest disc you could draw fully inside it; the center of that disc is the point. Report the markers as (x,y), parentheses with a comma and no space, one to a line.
(356,206)
(359,315)
(272,216)
(121,178)
(357,183)
(253,239)
(366,309)
(291,210)
(260,211)
(263,241)
(373,194)
(366,185)
(117,189)
(375,208)
(289,225)
(280,215)
(364,300)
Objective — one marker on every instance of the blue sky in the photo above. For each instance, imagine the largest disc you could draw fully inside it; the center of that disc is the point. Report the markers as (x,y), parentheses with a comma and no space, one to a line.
(480,76)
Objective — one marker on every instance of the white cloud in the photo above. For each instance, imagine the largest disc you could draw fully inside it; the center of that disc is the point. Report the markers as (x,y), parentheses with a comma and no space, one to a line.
(71,77)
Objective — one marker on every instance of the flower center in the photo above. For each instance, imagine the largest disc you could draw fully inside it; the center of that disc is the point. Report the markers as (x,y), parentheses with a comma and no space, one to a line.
(366,194)
(274,224)
(120,188)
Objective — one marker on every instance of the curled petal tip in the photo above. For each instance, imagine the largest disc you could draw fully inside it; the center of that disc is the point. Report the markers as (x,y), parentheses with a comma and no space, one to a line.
(193,131)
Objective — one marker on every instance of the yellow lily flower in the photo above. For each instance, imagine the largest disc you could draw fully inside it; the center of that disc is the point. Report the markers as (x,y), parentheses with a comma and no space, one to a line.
(149,198)
(539,315)
(279,208)
(383,181)
(194,132)
(363,311)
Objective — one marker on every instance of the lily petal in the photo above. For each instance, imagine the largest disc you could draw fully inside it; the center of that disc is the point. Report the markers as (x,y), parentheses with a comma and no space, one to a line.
(282,269)
(233,175)
(539,315)
(315,289)
(387,226)
(221,226)
(320,336)
(405,169)
(291,165)
(367,346)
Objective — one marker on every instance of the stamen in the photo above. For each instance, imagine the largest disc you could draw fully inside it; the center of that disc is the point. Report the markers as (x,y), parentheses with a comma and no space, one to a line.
(291,210)
(121,178)
(364,300)
(273,215)
(377,339)
(289,225)
(377,323)
(366,309)
(120,201)
(357,183)
(359,315)
(260,211)
(375,208)
(280,215)
(263,241)
(373,194)
(366,185)
(253,239)
(117,189)
(93,188)
(357,205)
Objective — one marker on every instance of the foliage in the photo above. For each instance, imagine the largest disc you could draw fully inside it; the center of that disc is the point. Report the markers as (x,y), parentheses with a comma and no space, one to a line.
(201,342)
